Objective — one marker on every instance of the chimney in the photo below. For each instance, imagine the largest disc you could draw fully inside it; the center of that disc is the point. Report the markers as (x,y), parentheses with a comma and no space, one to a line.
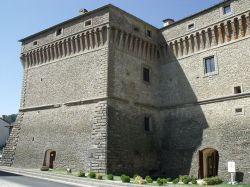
(167,22)
(83,11)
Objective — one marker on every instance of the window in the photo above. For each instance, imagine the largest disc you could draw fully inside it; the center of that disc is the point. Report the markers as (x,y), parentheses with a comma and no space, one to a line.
(226,9)
(136,29)
(191,26)
(239,111)
(209,65)
(147,127)
(59,32)
(237,90)
(148,33)
(88,23)
(146,73)
(35,43)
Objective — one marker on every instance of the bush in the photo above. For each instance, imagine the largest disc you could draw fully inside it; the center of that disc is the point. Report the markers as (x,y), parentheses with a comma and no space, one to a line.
(169,179)
(92,175)
(193,180)
(159,181)
(164,181)
(175,181)
(125,178)
(110,177)
(99,176)
(139,180)
(213,180)
(44,168)
(80,174)
(185,181)
(148,179)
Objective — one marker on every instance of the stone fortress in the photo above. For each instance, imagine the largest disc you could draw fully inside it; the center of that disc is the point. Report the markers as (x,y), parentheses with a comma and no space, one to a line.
(107,92)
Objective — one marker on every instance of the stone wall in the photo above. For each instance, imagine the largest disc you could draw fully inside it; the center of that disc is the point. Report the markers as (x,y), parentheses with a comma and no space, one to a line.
(64,110)
(132,150)
(205,19)
(194,128)
(69,29)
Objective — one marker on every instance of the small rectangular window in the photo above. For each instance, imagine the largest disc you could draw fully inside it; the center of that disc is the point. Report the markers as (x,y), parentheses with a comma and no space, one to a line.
(191,26)
(146,74)
(209,65)
(136,29)
(88,23)
(237,90)
(239,111)
(59,32)
(35,43)
(148,33)
(147,124)
(226,9)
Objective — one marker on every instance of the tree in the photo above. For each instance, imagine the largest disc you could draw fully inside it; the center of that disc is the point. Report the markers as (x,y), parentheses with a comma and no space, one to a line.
(10,118)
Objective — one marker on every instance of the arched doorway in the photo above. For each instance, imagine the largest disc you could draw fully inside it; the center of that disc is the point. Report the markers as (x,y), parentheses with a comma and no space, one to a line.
(49,158)
(208,162)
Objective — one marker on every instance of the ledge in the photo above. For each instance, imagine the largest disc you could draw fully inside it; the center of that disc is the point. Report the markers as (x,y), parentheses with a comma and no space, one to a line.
(89,101)
(154,107)
(209,101)
(44,107)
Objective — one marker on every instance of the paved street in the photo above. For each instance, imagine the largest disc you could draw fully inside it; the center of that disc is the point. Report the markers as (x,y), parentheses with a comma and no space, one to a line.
(13,180)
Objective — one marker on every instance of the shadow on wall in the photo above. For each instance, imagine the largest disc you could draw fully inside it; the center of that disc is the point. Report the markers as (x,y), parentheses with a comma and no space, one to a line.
(183,122)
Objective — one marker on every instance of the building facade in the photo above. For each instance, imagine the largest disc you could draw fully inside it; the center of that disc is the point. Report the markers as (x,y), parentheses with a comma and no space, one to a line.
(4,132)
(107,92)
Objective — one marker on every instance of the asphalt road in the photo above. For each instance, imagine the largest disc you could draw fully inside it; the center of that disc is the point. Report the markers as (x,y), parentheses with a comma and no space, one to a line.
(13,180)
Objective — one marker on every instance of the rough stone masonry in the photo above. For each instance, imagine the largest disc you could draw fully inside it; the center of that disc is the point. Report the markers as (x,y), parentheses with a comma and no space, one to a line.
(109,93)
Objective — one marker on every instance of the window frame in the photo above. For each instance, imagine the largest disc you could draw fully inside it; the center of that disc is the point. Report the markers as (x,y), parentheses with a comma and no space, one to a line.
(224,9)
(61,32)
(148,33)
(191,24)
(216,71)
(88,20)
(150,124)
(145,67)
(239,113)
(222,12)
(35,43)
(241,89)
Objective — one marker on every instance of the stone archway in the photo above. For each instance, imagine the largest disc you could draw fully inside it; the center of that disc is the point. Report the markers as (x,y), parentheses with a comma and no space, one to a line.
(208,162)
(49,158)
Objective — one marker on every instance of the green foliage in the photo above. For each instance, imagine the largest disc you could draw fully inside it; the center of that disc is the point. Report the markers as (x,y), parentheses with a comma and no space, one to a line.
(148,179)
(80,174)
(125,178)
(44,168)
(185,181)
(175,181)
(92,175)
(164,181)
(139,180)
(10,118)
(99,176)
(194,180)
(159,181)
(169,179)
(213,180)
(110,177)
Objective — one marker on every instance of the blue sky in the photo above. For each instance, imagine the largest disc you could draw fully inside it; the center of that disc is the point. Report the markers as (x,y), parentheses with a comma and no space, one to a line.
(20,18)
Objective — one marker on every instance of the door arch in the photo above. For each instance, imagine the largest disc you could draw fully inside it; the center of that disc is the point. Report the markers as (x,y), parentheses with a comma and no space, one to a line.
(49,158)
(208,162)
